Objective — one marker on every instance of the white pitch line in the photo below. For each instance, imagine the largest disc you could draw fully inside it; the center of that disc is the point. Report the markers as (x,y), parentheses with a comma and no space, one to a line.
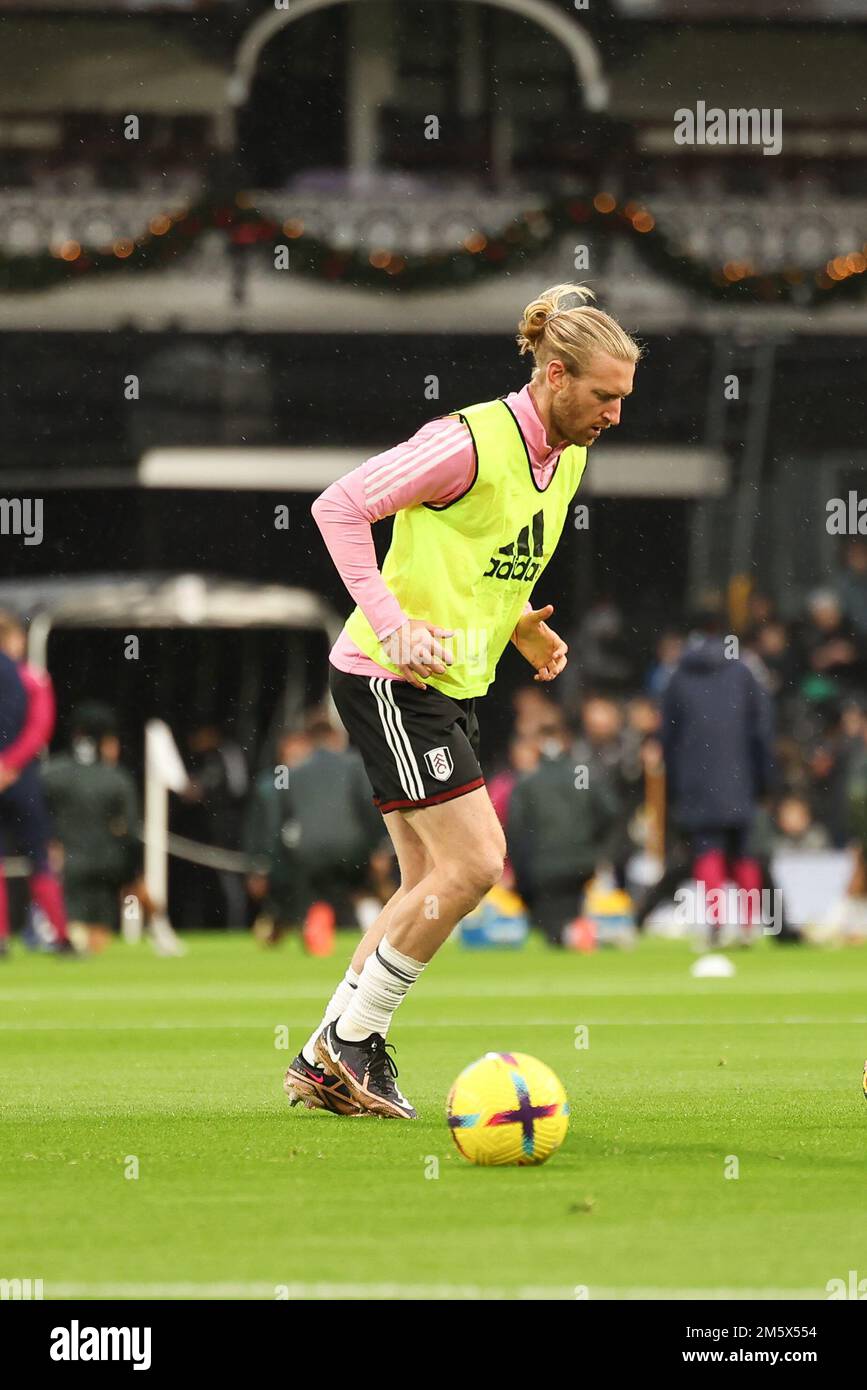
(261,1290)
(431,993)
(170,1026)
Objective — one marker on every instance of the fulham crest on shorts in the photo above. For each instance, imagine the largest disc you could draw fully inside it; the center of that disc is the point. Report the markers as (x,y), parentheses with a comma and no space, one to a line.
(439,763)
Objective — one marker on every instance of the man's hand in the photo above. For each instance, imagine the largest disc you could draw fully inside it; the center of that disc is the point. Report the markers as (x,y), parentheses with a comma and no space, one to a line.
(540,644)
(8,775)
(416,649)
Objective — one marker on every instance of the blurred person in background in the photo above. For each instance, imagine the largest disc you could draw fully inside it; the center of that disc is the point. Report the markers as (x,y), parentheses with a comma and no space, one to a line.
(676,870)
(640,760)
(27,714)
(679,866)
(717,735)
(603,747)
(523,758)
(270,840)
(601,742)
(607,663)
(827,649)
(337,828)
(761,609)
(669,650)
(211,811)
(856,801)
(828,763)
(380,883)
(643,720)
(795,828)
(851,587)
(94,805)
(774,657)
(532,710)
(560,816)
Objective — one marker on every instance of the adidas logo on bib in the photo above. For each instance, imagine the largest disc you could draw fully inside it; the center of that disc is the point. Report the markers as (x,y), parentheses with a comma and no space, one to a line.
(439,763)
(514,561)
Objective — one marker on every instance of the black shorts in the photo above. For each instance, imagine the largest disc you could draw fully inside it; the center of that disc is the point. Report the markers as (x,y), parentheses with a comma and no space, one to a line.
(419,747)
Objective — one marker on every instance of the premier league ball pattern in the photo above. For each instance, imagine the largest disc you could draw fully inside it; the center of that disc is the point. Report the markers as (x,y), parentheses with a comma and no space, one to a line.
(507,1108)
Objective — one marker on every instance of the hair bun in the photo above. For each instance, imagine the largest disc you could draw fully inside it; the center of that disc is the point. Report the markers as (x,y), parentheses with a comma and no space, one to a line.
(558,299)
(532,325)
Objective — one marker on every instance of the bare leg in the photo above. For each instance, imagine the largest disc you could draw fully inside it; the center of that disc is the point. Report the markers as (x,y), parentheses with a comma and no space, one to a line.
(414,865)
(463,844)
(465,848)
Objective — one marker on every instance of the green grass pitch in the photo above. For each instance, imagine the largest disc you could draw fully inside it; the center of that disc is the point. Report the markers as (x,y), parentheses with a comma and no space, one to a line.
(176,1064)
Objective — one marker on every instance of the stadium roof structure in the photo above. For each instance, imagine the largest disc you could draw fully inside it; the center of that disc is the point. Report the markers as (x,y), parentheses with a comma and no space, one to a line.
(669,470)
(94,64)
(161,601)
(811,82)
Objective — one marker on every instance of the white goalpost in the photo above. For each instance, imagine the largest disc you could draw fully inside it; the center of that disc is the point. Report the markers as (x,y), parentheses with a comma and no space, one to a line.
(164,773)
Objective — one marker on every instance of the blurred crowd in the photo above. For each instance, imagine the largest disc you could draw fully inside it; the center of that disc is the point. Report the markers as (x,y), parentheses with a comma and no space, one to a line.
(813,668)
(315,847)
(298,845)
(734,742)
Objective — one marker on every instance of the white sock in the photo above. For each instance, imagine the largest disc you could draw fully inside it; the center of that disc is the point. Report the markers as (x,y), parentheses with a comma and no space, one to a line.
(339,1001)
(385,981)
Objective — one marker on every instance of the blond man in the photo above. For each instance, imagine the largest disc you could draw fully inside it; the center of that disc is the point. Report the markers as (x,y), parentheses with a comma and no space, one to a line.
(480,498)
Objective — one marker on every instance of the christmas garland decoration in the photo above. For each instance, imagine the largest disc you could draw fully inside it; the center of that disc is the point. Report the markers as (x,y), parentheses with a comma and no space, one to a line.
(169,237)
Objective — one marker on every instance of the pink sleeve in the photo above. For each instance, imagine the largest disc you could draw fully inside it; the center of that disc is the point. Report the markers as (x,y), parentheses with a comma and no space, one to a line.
(437,465)
(38,722)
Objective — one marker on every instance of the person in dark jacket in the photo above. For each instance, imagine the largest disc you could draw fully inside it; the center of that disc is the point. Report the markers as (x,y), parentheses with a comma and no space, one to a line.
(211,810)
(271,832)
(559,818)
(337,827)
(94,805)
(717,735)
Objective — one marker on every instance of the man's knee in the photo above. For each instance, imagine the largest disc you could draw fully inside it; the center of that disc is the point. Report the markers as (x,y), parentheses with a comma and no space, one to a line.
(413,868)
(482,865)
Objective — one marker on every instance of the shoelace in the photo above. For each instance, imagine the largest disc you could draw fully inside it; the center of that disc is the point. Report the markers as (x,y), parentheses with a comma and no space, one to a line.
(381,1061)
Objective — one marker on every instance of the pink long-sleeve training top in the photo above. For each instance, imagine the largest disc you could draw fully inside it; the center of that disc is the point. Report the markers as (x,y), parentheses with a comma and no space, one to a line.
(38,721)
(436,465)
